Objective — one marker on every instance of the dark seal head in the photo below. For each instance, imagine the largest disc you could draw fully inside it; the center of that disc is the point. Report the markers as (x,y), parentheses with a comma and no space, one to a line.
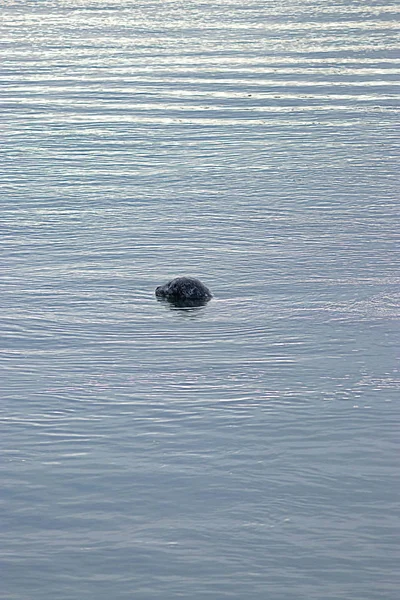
(184,291)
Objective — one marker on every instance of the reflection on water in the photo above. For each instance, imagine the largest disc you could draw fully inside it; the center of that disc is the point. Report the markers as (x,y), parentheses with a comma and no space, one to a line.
(247,448)
(187,311)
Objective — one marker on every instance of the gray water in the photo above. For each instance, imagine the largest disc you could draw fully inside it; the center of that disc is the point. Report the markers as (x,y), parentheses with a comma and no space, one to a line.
(243,450)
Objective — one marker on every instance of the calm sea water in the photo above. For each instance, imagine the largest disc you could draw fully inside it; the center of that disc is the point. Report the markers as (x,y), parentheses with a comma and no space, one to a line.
(247,449)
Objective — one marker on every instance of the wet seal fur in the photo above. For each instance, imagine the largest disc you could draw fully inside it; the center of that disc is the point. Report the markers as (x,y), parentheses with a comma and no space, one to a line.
(184,291)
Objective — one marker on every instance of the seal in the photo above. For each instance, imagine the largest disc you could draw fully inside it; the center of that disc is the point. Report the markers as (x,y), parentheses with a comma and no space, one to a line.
(184,291)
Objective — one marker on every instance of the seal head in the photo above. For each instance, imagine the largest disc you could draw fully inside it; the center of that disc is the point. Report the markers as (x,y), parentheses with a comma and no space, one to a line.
(184,291)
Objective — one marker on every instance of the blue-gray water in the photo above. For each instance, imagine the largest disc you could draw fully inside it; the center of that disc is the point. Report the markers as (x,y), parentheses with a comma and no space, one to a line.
(247,450)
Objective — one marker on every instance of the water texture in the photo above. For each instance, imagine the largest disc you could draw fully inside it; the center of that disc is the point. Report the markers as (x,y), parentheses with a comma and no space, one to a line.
(247,449)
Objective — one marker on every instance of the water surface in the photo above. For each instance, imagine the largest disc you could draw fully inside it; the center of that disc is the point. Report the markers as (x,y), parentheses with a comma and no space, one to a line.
(247,449)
